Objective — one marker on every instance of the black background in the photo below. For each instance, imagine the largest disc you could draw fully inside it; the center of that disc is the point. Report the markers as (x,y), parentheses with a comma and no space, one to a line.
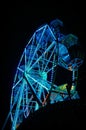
(18,22)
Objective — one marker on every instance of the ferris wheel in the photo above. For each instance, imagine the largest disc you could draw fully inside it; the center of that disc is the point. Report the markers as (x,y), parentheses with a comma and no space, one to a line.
(34,79)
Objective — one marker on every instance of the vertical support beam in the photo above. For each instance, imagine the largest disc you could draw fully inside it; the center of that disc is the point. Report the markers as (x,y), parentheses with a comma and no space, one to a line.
(74,78)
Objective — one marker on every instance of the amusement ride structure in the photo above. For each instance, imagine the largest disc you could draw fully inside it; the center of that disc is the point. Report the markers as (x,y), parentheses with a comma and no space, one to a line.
(33,85)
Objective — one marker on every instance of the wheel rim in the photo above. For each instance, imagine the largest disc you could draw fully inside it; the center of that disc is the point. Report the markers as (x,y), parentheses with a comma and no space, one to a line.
(34,75)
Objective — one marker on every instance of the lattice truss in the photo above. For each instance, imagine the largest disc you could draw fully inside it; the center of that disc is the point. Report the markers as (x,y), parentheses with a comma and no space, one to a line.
(33,84)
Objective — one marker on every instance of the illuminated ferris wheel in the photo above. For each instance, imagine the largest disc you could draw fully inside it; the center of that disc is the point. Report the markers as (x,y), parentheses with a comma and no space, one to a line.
(33,85)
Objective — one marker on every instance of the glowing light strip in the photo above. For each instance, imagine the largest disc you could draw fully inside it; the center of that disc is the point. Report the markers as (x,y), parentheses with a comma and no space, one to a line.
(29,41)
(37,46)
(51,68)
(20,69)
(17,83)
(53,43)
(37,82)
(49,59)
(34,55)
(18,107)
(52,33)
(41,28)
(32,46)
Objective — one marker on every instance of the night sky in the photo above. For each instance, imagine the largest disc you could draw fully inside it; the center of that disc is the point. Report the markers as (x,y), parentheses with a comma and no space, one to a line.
(18,23)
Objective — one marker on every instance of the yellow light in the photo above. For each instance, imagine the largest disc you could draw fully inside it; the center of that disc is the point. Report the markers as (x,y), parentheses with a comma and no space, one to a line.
(63,87)
(73,87)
